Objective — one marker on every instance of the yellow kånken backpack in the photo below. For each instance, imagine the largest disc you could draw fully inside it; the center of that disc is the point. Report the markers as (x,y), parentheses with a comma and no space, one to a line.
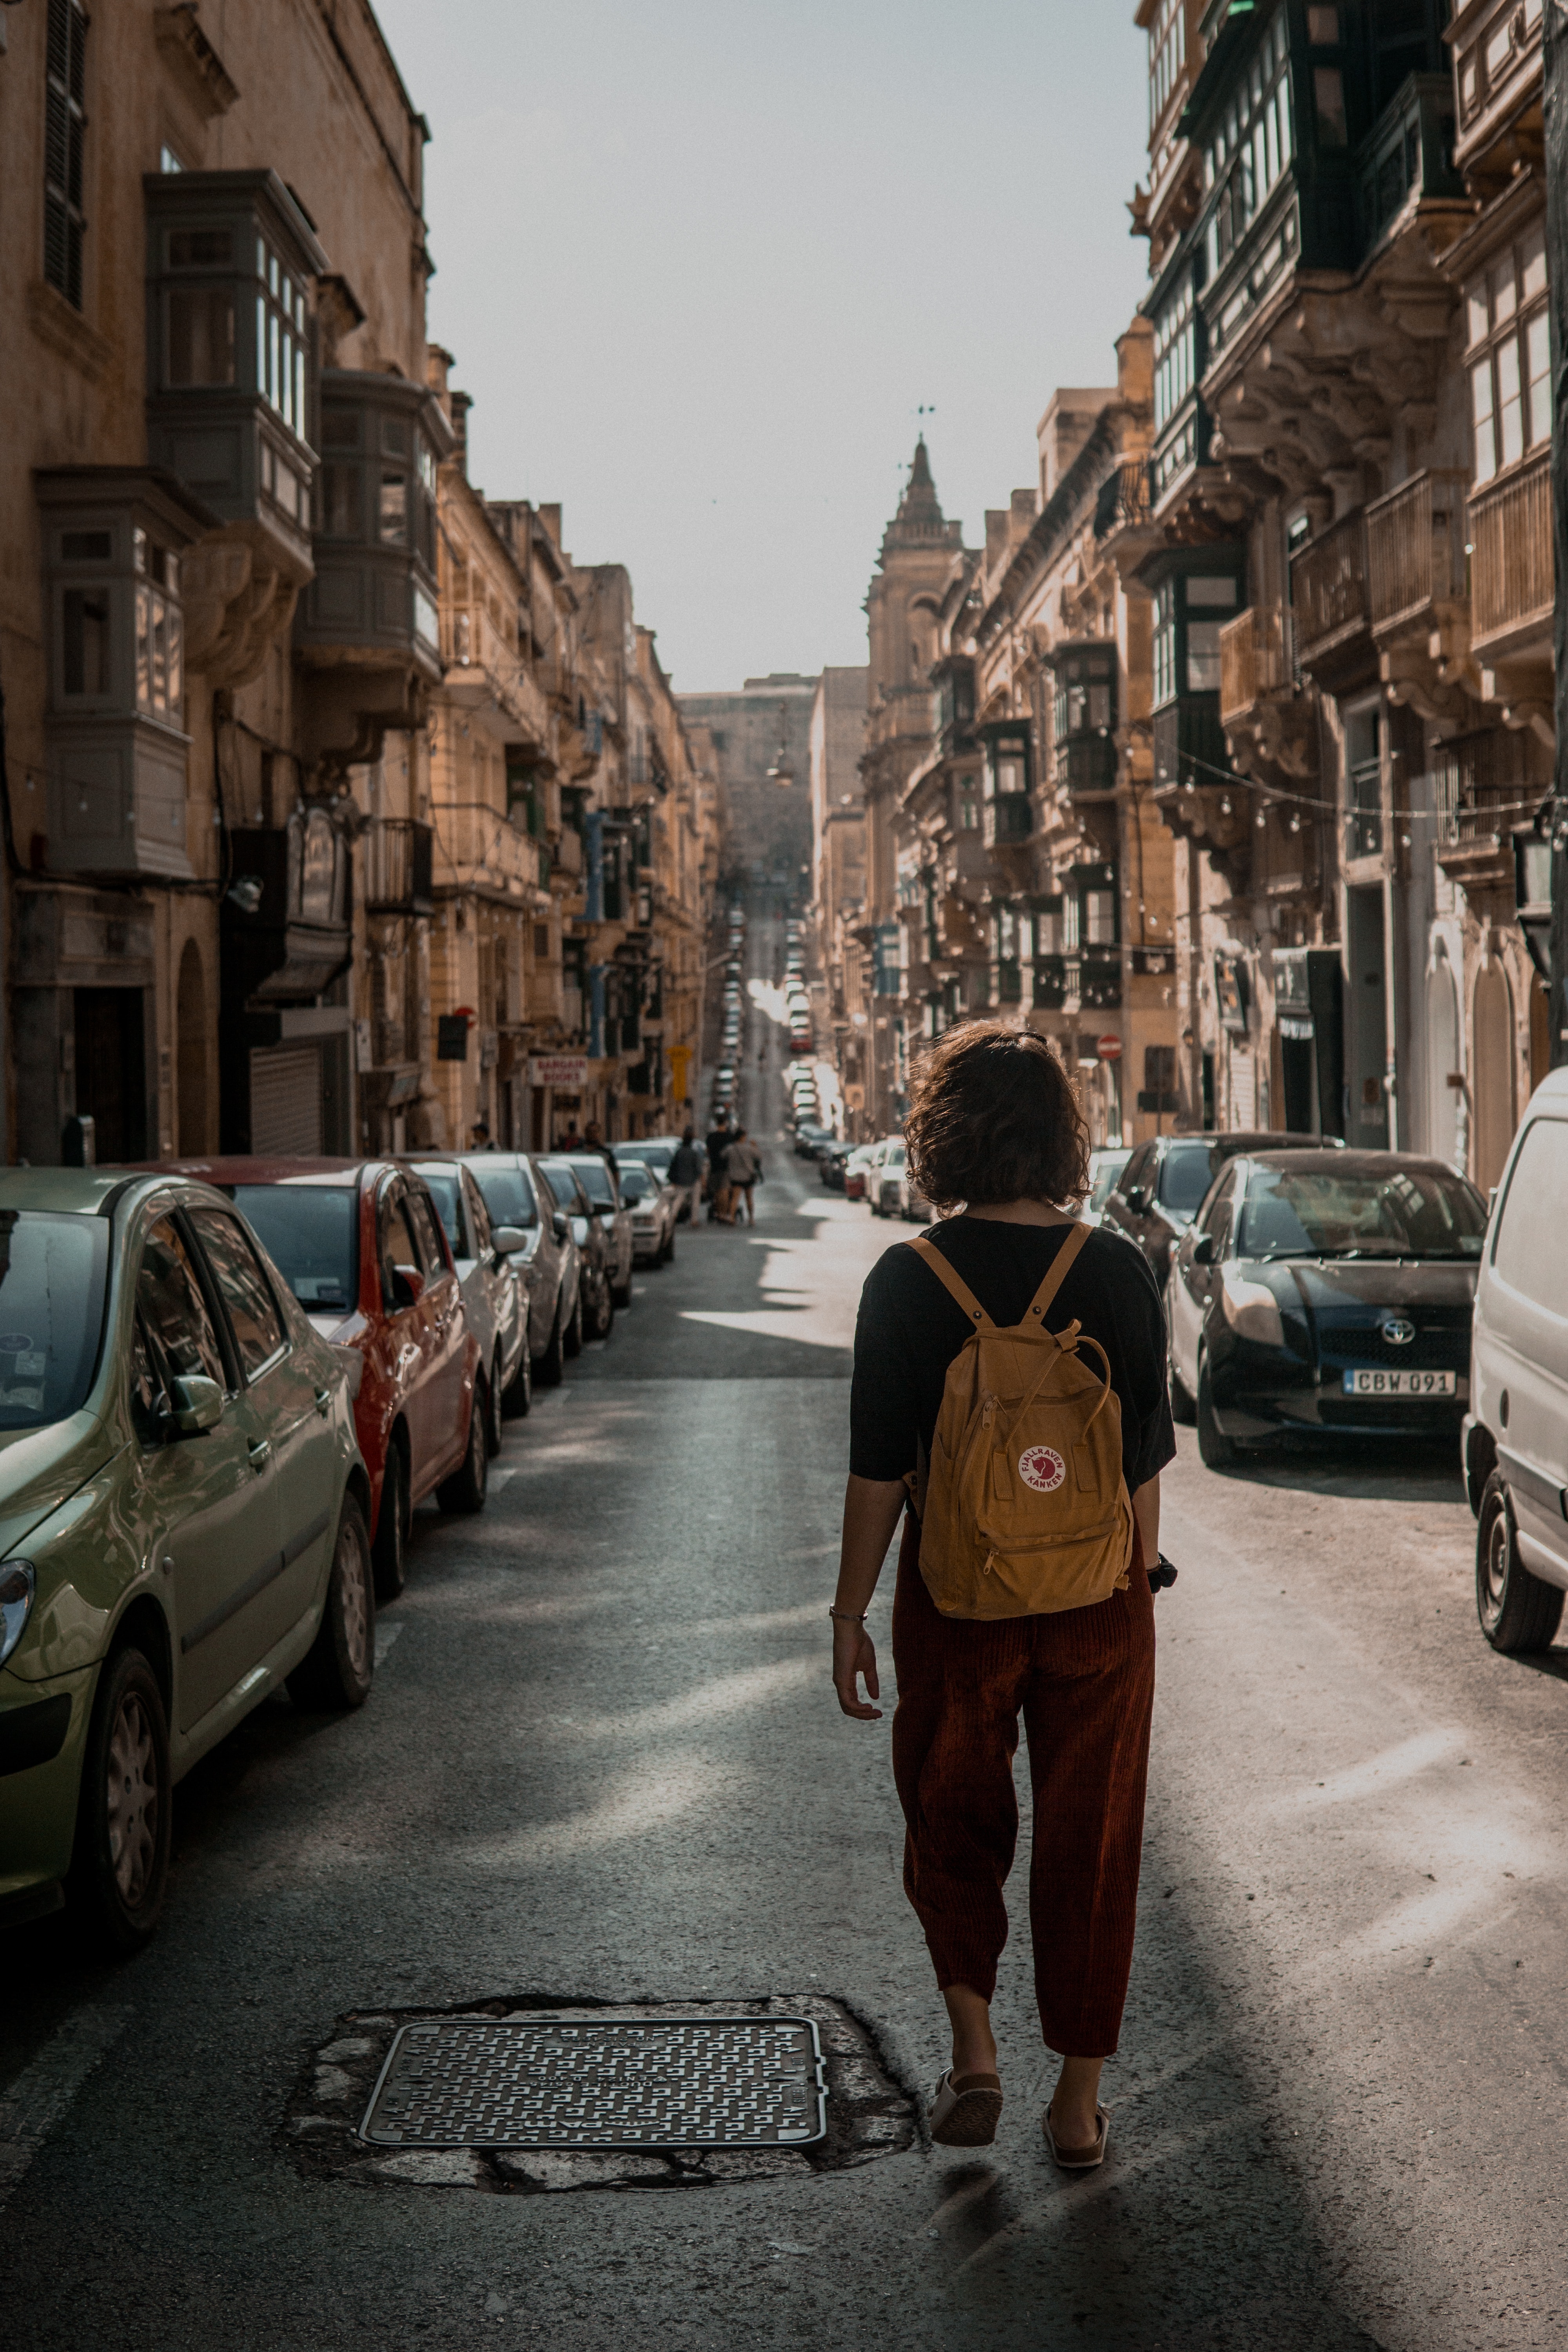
(1022,1507)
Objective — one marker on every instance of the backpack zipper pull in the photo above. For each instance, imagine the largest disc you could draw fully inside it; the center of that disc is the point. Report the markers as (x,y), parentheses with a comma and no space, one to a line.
(988,1412)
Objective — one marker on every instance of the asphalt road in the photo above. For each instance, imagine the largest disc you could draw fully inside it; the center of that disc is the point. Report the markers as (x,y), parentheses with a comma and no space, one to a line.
(602,1764)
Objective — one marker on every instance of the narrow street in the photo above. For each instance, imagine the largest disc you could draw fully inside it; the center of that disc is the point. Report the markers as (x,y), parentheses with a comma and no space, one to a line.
(602,1764)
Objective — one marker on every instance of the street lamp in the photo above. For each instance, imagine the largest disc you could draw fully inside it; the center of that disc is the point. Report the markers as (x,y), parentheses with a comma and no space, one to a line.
(782,770)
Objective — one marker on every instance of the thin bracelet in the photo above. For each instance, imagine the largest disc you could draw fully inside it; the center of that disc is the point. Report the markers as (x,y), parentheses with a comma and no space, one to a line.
(847,1615)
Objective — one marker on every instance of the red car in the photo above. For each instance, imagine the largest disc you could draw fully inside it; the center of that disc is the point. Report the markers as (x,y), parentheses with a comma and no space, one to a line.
(360,1246)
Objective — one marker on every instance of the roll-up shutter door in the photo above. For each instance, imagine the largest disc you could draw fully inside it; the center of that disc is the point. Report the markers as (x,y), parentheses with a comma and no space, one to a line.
(286,1101)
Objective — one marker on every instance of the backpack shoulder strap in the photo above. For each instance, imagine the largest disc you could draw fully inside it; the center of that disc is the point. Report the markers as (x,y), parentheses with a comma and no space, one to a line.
(1066,1258)
(960,1289)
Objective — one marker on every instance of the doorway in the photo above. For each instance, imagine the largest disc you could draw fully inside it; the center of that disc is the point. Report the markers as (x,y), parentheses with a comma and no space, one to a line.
(111,1071)
(1366,1019)
(1492,1061)
(1443,1097)
(191,1077)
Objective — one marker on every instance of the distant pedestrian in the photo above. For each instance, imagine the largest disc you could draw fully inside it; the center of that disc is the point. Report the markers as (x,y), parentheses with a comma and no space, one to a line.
(720,1138)
(571,1140)
(594,1141)
(1021,1581)
(686,1174)
(742,1169)
(479,1136)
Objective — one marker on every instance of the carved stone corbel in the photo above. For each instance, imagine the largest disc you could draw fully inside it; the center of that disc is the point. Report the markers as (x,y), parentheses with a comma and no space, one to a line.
(239,590)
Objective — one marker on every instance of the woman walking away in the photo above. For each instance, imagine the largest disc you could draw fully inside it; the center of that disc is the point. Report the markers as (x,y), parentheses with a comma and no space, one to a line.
(1010,1386)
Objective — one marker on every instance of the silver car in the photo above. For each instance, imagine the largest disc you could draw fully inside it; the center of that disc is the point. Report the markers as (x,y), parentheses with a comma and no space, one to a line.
(516,1195)
(600,1179)
(655,1206)
(493,1276)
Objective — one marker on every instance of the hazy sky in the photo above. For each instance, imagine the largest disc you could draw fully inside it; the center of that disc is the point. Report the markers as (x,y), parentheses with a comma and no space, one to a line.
(700,264)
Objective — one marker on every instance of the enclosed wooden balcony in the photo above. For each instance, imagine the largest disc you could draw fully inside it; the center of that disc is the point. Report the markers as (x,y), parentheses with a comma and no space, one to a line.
(1329,594)
(1513,570)
(1416,552)
(1483,798)
(1498,74)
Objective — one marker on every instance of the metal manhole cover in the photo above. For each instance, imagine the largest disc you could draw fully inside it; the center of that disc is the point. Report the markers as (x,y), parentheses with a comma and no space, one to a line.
(724,2081)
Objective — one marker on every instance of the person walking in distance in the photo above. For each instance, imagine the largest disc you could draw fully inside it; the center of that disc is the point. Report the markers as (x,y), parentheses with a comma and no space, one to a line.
(717,1145)
(686,1173)
(594,1141)
(1010,1387)
(742,1169)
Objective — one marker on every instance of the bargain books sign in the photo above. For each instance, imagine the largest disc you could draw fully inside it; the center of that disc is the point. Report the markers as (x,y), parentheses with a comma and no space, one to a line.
(567,1071)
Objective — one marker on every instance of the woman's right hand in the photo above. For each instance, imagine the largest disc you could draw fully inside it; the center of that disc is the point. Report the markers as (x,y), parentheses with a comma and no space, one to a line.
(853,1654)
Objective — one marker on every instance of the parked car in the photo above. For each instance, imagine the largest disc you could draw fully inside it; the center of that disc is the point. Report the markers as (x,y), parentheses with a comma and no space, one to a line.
(600,1179)
(516,1194)
(830,1166)
(855,1168)
(595,1268)
(1164,1182)
(874,1168)
(653,1207)
(493,1278)
(808,1134)
(187,1525)
(1104,1168)
(1325,1293)
(1515,1443)
(361,1246)
(910,1203)
(889,1179)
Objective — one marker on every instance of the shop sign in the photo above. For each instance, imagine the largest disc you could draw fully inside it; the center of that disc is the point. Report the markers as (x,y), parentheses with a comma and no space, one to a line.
(568,1070)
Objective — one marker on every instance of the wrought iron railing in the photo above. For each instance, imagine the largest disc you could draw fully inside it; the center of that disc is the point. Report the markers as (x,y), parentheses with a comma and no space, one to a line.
(1327,588)
(1416,548)
(1513,569)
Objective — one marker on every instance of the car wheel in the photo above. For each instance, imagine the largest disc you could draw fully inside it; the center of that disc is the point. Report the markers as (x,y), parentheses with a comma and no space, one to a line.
(667,1254)
(390,1551)
(1518,1611)
(518,1396)
(338,1669)
(550,1367)
(1183,1408)
(494,1411)
(464,1492)
(571,1337)
(1215,1450)
(120,1864)
(603,1321)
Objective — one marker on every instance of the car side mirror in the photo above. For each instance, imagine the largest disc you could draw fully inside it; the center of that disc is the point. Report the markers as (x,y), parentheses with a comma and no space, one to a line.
(408,1287)
(558,1224)
(195,1405)
(1203,1250)
(506,1239)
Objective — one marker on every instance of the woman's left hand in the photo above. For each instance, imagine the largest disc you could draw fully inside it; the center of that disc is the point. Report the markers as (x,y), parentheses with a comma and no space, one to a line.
(853,1654)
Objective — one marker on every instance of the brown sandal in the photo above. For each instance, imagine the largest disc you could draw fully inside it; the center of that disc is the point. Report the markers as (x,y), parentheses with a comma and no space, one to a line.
(965,2111)
(1080,2160)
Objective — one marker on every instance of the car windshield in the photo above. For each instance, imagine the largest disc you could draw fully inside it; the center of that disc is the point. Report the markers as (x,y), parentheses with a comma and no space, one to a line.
(52,1289)
(896,1157)
(442,1185)
(1108,1166)
(596,1182)
(637,1184)
(1187,1173)
(1405,1212)
(310,1231)
(563,1184)
(508,1195)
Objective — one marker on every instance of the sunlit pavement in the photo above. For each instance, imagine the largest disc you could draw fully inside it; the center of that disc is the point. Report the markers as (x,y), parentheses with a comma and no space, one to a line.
(602,1761)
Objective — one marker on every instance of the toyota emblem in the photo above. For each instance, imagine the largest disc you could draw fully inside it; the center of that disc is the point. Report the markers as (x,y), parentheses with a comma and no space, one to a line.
(1399,1332)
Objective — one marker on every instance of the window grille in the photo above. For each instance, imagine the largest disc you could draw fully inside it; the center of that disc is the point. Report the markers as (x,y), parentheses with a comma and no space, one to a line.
(64,124)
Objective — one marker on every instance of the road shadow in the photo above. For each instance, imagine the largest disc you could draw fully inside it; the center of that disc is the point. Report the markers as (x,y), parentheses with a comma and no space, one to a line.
(1383,1470)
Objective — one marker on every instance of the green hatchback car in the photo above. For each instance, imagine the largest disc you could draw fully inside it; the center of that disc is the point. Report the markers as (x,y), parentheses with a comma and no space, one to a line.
(183,1524)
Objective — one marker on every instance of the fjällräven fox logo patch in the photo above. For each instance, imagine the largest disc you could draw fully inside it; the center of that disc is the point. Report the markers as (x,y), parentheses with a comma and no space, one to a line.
(1042,1468)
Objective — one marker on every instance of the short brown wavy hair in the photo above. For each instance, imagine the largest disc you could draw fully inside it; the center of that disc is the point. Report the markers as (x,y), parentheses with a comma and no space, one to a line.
(995,1118)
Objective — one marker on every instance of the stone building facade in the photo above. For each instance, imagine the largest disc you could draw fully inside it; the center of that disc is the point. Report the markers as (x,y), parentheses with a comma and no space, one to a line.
(314,761)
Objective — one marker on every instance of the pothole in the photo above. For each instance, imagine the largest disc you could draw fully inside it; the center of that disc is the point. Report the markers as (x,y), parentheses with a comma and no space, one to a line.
(868,2114)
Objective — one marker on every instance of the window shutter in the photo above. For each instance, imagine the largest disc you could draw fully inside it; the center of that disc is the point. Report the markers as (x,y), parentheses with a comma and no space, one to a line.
(65,84)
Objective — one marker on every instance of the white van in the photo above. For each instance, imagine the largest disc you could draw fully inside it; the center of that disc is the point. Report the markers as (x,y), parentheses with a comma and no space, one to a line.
(1516,1431)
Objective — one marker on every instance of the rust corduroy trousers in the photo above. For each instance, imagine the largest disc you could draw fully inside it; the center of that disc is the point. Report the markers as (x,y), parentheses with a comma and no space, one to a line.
(1084,1683)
